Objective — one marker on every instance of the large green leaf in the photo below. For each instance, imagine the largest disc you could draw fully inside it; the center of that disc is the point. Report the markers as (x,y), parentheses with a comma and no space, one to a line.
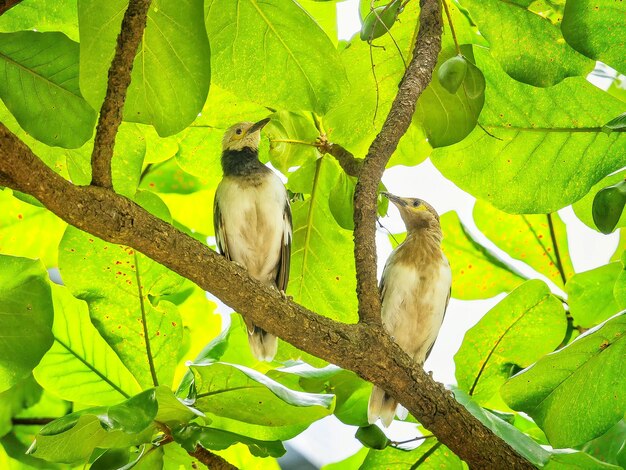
(430,454)
(171,72)
(525,325)
(590,295)
(259,53)
(596,28)
(322,264)
(28,230)
(550,390)
(529,47)
(42,15)
(477,272)
(528,238)
(582,208)
(39,84)
(520,160)
(578,460)
(122,289)
(241,400)
(26,314)
(23,394)
(81,366)
(611,446)
(619,290)
(286,125)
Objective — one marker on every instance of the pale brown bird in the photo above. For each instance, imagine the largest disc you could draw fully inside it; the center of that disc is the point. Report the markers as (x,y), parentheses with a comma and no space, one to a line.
(414,290)
(252,220)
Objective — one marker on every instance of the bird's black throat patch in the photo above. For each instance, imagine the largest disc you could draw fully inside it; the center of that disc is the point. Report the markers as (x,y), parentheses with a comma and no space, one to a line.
(244,162)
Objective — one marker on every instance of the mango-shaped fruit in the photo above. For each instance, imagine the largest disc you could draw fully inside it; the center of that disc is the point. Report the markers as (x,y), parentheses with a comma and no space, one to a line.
(608,205)
(452,73)
(371,436)
(380,20)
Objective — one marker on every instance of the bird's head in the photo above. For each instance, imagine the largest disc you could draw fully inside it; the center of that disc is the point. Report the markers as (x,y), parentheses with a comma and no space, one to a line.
(416,213)
(243,134)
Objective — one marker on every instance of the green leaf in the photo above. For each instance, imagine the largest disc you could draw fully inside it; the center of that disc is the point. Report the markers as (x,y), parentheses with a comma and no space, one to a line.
(582,208)
(528,238)
(322,263)
(39,84)
(590,295)
(430,454)
(477,272)
(578,460)
(524,326)
(241,400)
(354,461)
(218,439)
(550,390)
(595,29)
(527,137)
(122,290)
(26,314)
(171,72)
(286,125)
(135,414)
(619,291)
(528,46)
(27,230)
(81,366)
(42,15)
(324,12)
(610,447)
(608,207)
(169,177)
(23,394)
(522,443)
(616,124)
(341,201)
(267,61)
(73,438)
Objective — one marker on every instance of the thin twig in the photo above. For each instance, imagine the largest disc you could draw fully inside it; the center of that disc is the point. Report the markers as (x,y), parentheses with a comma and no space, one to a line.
(133,25)
(415,80)
(31,421)
(144,323)
(559,262)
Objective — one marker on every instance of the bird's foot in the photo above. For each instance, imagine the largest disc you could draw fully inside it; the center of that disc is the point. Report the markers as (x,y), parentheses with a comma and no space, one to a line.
(239,264)
(284,295)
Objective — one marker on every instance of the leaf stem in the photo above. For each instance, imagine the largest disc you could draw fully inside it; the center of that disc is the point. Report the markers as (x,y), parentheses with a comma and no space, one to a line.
(294,141)
(144,324)
(559,262)
(456,42)
(31,421)
(418,438)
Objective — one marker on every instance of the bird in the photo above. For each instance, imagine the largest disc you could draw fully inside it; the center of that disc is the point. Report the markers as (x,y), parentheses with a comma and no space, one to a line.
(415,290)
(252,220)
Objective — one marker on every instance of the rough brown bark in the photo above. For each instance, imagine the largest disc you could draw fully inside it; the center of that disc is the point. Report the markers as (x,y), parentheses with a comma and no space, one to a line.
(133,25)
(211,460)
(7,5)
(348,162)
(118,220)
(415,80)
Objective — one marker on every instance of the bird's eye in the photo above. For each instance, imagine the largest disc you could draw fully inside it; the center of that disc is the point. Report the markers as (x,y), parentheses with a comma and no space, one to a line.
(238,131)
(416,203)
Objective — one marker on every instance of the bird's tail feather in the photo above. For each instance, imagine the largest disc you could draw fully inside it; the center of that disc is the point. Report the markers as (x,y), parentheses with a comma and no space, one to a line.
(262,344)
(381,406)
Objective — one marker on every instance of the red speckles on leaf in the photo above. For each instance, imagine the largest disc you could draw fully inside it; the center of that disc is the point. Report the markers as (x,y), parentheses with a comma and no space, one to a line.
(469,266)
(119,273)
(540,236)
(173,323)
(91,240)
(20,216)
(158,333)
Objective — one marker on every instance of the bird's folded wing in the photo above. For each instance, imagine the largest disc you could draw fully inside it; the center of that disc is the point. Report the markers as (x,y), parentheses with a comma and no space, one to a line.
(220,232)
(282,273)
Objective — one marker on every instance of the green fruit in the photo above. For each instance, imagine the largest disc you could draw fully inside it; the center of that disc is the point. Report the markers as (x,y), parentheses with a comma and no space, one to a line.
(380,20)
(452,73)
(371,436)
(608,206)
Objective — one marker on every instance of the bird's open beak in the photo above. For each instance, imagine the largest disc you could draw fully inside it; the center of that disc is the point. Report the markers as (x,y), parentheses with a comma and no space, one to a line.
(257,126)
(397,200)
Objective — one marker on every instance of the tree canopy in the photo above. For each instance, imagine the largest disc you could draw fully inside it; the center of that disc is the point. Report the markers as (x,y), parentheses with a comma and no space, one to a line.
(111,355)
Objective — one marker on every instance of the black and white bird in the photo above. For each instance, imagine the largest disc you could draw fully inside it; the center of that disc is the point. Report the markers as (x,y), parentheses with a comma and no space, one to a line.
(415,290)
(252,220)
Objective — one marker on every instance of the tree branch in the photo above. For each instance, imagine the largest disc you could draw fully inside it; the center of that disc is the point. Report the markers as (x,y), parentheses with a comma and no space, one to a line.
(7,5)
(211,460)
(415,80)
(348,162)
(133,25)
(366,350)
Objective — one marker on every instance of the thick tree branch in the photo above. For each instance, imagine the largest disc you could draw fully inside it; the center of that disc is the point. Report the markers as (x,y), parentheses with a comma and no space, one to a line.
(211,460)
(415,80)
(7,5)
(133,25)
(365,349)
(348,162)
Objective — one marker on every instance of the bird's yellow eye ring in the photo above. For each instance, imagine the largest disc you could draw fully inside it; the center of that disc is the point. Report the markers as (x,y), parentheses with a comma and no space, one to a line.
(238,131)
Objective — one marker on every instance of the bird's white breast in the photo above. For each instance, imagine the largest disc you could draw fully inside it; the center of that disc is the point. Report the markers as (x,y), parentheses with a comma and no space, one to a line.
(414,303)
(254,223)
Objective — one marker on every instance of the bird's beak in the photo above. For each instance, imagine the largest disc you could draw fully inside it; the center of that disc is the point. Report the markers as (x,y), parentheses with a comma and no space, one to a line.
(257,126)
(397,200)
